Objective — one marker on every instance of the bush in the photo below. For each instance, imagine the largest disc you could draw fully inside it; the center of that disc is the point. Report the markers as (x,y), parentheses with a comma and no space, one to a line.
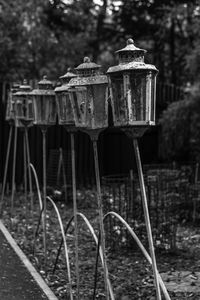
(180,129)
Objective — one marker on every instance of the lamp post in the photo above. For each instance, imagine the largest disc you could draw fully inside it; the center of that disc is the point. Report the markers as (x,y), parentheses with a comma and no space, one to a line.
(24,116)
(44,106)
(10,118)
(88,95)
(132,87)
(66,119)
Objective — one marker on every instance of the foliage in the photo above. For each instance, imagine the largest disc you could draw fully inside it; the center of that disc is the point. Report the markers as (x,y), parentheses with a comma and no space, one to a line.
(47,36)
(180,127)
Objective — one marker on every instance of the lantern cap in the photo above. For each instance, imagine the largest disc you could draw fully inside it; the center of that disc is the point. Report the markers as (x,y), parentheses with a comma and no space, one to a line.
(88,74)
(23,89)
(87,65)
(45,83)
(131,47)
(69,75)
(45,87)
(62,88)
(131,58)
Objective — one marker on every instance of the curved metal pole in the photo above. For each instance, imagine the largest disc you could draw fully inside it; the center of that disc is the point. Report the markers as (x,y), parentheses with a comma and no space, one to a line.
(14,169)
(100,210)
(147,219)
(75,213)
(65,246)
(41,208)
(6,167)
(140,245)
(29,169)
(96,241)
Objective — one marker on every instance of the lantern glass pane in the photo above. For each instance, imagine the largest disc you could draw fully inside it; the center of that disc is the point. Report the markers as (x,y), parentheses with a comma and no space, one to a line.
(20,107)
(9,107)
(65,113)
(30,115)
(136,93)
(78,97)
(118,101)
(45,109)
(99,93)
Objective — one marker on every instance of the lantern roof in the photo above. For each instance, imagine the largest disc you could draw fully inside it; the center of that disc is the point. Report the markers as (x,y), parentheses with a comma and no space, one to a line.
(131,47)
(23,89)
(45,87)
(65,80)
(69,75)
(88,65)
(88,73)
(131,58)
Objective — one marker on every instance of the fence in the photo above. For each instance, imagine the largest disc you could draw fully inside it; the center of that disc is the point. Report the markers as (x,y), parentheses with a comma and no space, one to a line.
(173,199)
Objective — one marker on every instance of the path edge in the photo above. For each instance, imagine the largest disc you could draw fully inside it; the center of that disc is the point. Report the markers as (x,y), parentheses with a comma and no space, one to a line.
(31,269)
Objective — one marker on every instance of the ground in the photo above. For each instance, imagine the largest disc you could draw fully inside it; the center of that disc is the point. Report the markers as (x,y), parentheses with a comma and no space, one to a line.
(130,273)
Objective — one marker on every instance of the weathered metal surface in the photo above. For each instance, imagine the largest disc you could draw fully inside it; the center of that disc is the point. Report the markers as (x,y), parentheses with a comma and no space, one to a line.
(10,109)
(88,95)
(23,105)
(44,103)
(65,112)
(132,86)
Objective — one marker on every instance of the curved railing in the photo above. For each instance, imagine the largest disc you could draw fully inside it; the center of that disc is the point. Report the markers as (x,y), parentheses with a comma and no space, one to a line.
(162,285)
(91,229)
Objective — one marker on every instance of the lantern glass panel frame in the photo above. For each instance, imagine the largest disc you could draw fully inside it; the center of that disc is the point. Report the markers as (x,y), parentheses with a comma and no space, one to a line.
(90,106)
(64,107)
(133,98)
(45,112)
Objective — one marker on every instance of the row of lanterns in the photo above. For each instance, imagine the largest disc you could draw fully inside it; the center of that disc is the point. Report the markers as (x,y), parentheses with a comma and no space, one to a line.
(82,102)
(82,99)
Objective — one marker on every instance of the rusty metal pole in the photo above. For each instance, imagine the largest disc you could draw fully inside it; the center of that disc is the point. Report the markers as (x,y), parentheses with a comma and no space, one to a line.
(25,174)
(44,130)
(29,168)
(14,169)
(75,213)
(147,218)
(6,167)
(100,210)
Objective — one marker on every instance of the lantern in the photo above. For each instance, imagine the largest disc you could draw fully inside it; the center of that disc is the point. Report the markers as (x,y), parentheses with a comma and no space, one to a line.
(44,104)
(23,104)
(89,97)
(132,88)
(10,109)
(65,112)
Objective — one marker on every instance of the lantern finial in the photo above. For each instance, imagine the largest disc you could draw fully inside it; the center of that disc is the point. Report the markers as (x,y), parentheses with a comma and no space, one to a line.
(45,77)
(130,42)
(86,59)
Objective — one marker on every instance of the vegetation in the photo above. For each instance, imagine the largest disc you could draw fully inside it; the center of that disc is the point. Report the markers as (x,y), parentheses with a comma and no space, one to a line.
(47,36)
(180,126)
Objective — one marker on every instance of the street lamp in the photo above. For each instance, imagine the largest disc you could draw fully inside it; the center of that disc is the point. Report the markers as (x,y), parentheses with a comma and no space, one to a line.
(66,119)
(45,113)
(132,86)
(88,95)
